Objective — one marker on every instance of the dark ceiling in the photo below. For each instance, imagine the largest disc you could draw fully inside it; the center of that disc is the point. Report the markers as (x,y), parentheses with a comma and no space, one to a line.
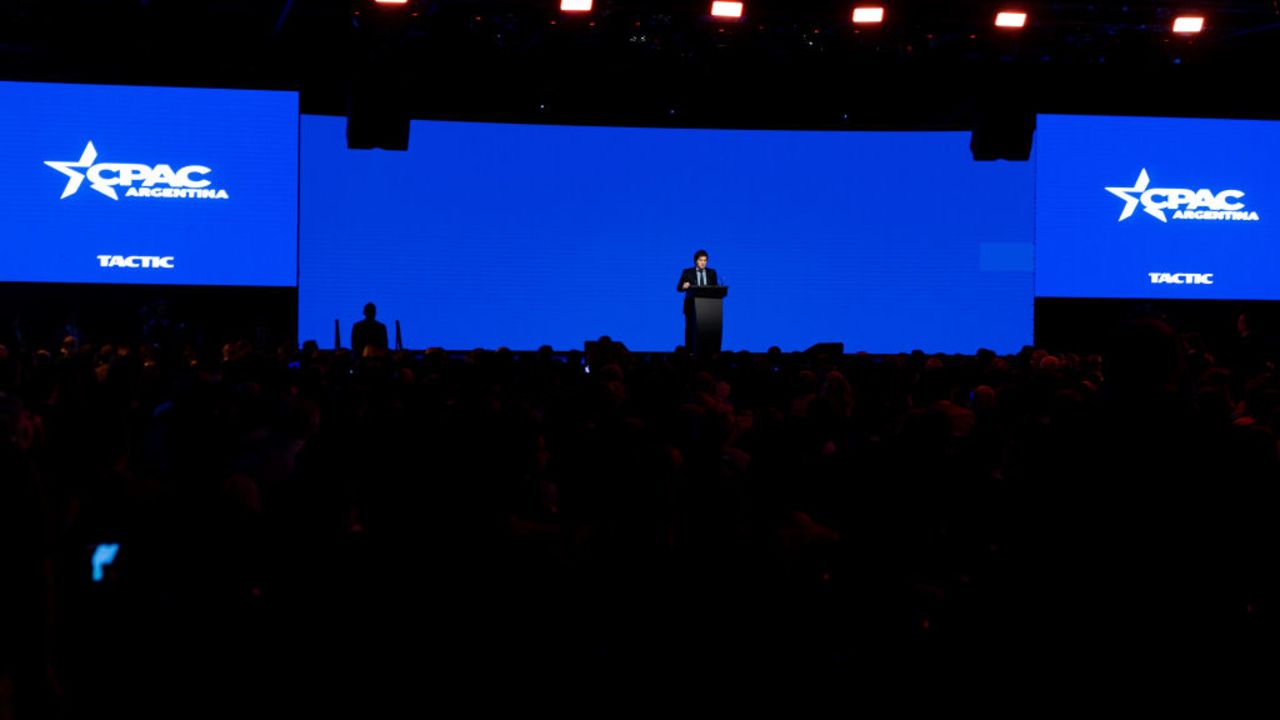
(932,64)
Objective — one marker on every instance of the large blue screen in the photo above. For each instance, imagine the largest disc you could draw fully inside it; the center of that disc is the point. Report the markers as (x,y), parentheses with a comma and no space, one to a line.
(109,184)
(486,235)
(1157,208)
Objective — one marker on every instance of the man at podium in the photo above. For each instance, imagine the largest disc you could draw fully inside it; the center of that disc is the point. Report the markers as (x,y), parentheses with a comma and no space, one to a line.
(697,276)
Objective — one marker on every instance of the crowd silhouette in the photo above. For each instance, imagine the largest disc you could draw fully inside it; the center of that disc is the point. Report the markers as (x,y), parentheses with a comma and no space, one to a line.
(313,527)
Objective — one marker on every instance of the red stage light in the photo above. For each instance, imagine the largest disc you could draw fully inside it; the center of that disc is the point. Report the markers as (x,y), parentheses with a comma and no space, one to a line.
(1011,19)
(1188,24)
(868,15)
(726,9)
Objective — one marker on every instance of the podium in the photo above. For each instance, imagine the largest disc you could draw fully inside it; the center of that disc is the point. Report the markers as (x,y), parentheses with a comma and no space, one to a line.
(708,317)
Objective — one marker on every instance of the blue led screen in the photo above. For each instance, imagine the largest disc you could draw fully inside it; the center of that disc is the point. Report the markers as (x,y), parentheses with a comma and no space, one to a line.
(148,185)
(487,235)
(1157,208)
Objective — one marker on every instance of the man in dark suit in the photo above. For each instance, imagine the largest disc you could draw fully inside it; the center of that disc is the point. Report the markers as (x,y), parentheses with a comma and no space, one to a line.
(368,332)
(696,276)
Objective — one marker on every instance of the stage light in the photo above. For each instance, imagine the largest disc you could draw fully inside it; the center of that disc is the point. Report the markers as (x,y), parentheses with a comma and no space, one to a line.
(868,15)
(575,5)
(1188,24)
(392,2)
(726,9)
(1011,19)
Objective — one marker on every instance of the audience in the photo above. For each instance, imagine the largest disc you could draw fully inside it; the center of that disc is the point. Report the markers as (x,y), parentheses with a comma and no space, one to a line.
(293,525)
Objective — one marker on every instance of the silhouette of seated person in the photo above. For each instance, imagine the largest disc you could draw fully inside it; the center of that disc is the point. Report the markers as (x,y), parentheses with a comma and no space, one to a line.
(368,333)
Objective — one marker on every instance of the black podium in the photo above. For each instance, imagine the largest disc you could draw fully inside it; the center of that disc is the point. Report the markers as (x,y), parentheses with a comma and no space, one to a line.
(708,317)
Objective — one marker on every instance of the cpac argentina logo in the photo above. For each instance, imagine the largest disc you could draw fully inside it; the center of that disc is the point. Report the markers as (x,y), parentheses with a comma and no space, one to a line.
(1186,204)
(159,181)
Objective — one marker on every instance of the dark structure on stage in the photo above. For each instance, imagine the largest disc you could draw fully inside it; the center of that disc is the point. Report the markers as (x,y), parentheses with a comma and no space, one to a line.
(708,317)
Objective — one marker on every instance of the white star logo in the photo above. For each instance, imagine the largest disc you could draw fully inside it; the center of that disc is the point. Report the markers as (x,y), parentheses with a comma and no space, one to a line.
(75,177)
(1131,201)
